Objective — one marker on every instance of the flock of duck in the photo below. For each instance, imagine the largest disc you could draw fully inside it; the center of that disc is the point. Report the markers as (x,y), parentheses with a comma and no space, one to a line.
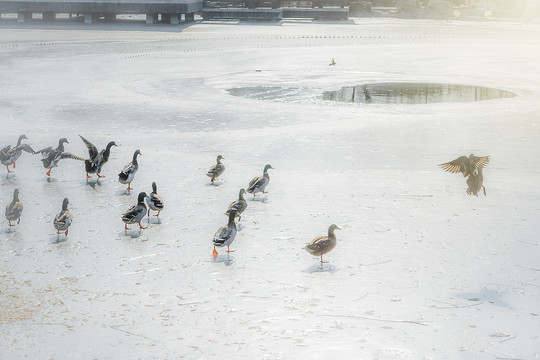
(471,168)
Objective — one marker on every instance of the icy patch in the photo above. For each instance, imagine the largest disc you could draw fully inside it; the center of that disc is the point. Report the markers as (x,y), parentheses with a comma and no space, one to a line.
(415,93)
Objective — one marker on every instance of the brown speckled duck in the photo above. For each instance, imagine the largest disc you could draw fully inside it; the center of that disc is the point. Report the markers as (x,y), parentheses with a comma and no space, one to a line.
(323,244)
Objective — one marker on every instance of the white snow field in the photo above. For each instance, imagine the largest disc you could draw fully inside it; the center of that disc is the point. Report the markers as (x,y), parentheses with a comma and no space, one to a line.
(421,270)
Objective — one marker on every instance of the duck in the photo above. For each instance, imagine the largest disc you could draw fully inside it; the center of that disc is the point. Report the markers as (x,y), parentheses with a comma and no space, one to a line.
(128,173)
(332,62)
(225,235)
(51,156)
(63,219)
(465,164)
(216,170)
(154,201)
(259,183)
(9,155)
(14,209)
(136,213)
(323,244)
(97,159)
(475,182)
(238,205)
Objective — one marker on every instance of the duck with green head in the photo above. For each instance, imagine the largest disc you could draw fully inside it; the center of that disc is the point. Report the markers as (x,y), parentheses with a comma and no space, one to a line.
(259,183)
(96,159)
(238,205)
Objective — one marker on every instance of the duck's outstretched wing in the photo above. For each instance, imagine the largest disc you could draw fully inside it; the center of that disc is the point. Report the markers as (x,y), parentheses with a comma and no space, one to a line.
(24,147)
(480,161)
(455,166)
(67,155)
(45,152)
(92,150)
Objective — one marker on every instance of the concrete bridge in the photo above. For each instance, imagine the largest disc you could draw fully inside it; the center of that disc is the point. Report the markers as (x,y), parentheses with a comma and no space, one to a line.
(170,10)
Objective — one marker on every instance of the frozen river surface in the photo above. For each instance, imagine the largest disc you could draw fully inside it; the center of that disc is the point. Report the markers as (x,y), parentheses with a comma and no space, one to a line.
(421,270)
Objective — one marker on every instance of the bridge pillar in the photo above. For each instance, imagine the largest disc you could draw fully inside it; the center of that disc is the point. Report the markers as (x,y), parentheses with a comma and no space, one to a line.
(175,19)
(23,16)
(166,18)
(48,16)
(190,17)
(151,18)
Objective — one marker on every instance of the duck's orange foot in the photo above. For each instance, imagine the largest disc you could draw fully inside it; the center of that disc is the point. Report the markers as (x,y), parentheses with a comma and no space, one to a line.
(142,227)
(214,254)
(100,176)
(88,176)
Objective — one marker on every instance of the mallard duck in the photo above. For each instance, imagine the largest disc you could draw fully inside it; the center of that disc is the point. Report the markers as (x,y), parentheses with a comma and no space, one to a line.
(97,159)
(154,201)
(51,156)
(258,183)
(323,244)
(465,164)
(225,235)
(238,205)
(128,173)
(136,213)
(9,155)
(14,209)
(475,182)
(63,219)
(216,170)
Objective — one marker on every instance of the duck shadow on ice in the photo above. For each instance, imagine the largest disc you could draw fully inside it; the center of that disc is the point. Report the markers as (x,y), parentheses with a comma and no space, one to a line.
(153,220)
(215,183)
(57,239)
(319,268)
(260,199)
(227,260)
(487,295)
(134,234)
(93,183)
(8,230)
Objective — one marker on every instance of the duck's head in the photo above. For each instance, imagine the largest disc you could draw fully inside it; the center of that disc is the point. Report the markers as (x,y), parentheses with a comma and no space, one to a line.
(16,194)
(65,204)
(21,138)
(111,144)
(63,140)
(137,152)
(332,228)
(268,166)
(242,192)
(154,187)
(142,196)
(219,158)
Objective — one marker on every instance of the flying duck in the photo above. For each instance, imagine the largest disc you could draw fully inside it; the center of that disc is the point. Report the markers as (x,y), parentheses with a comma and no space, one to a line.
(136,213)
(63,219)
(128,173)
(465,164)
(216,170)
(97,159)
(154,201)
(14,209)
(238,205)
(323,244)
(225,235)
(51,156)
(258,183)
(9,155)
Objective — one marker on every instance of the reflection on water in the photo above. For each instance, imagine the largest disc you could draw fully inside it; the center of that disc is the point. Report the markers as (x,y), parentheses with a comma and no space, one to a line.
(414,93)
